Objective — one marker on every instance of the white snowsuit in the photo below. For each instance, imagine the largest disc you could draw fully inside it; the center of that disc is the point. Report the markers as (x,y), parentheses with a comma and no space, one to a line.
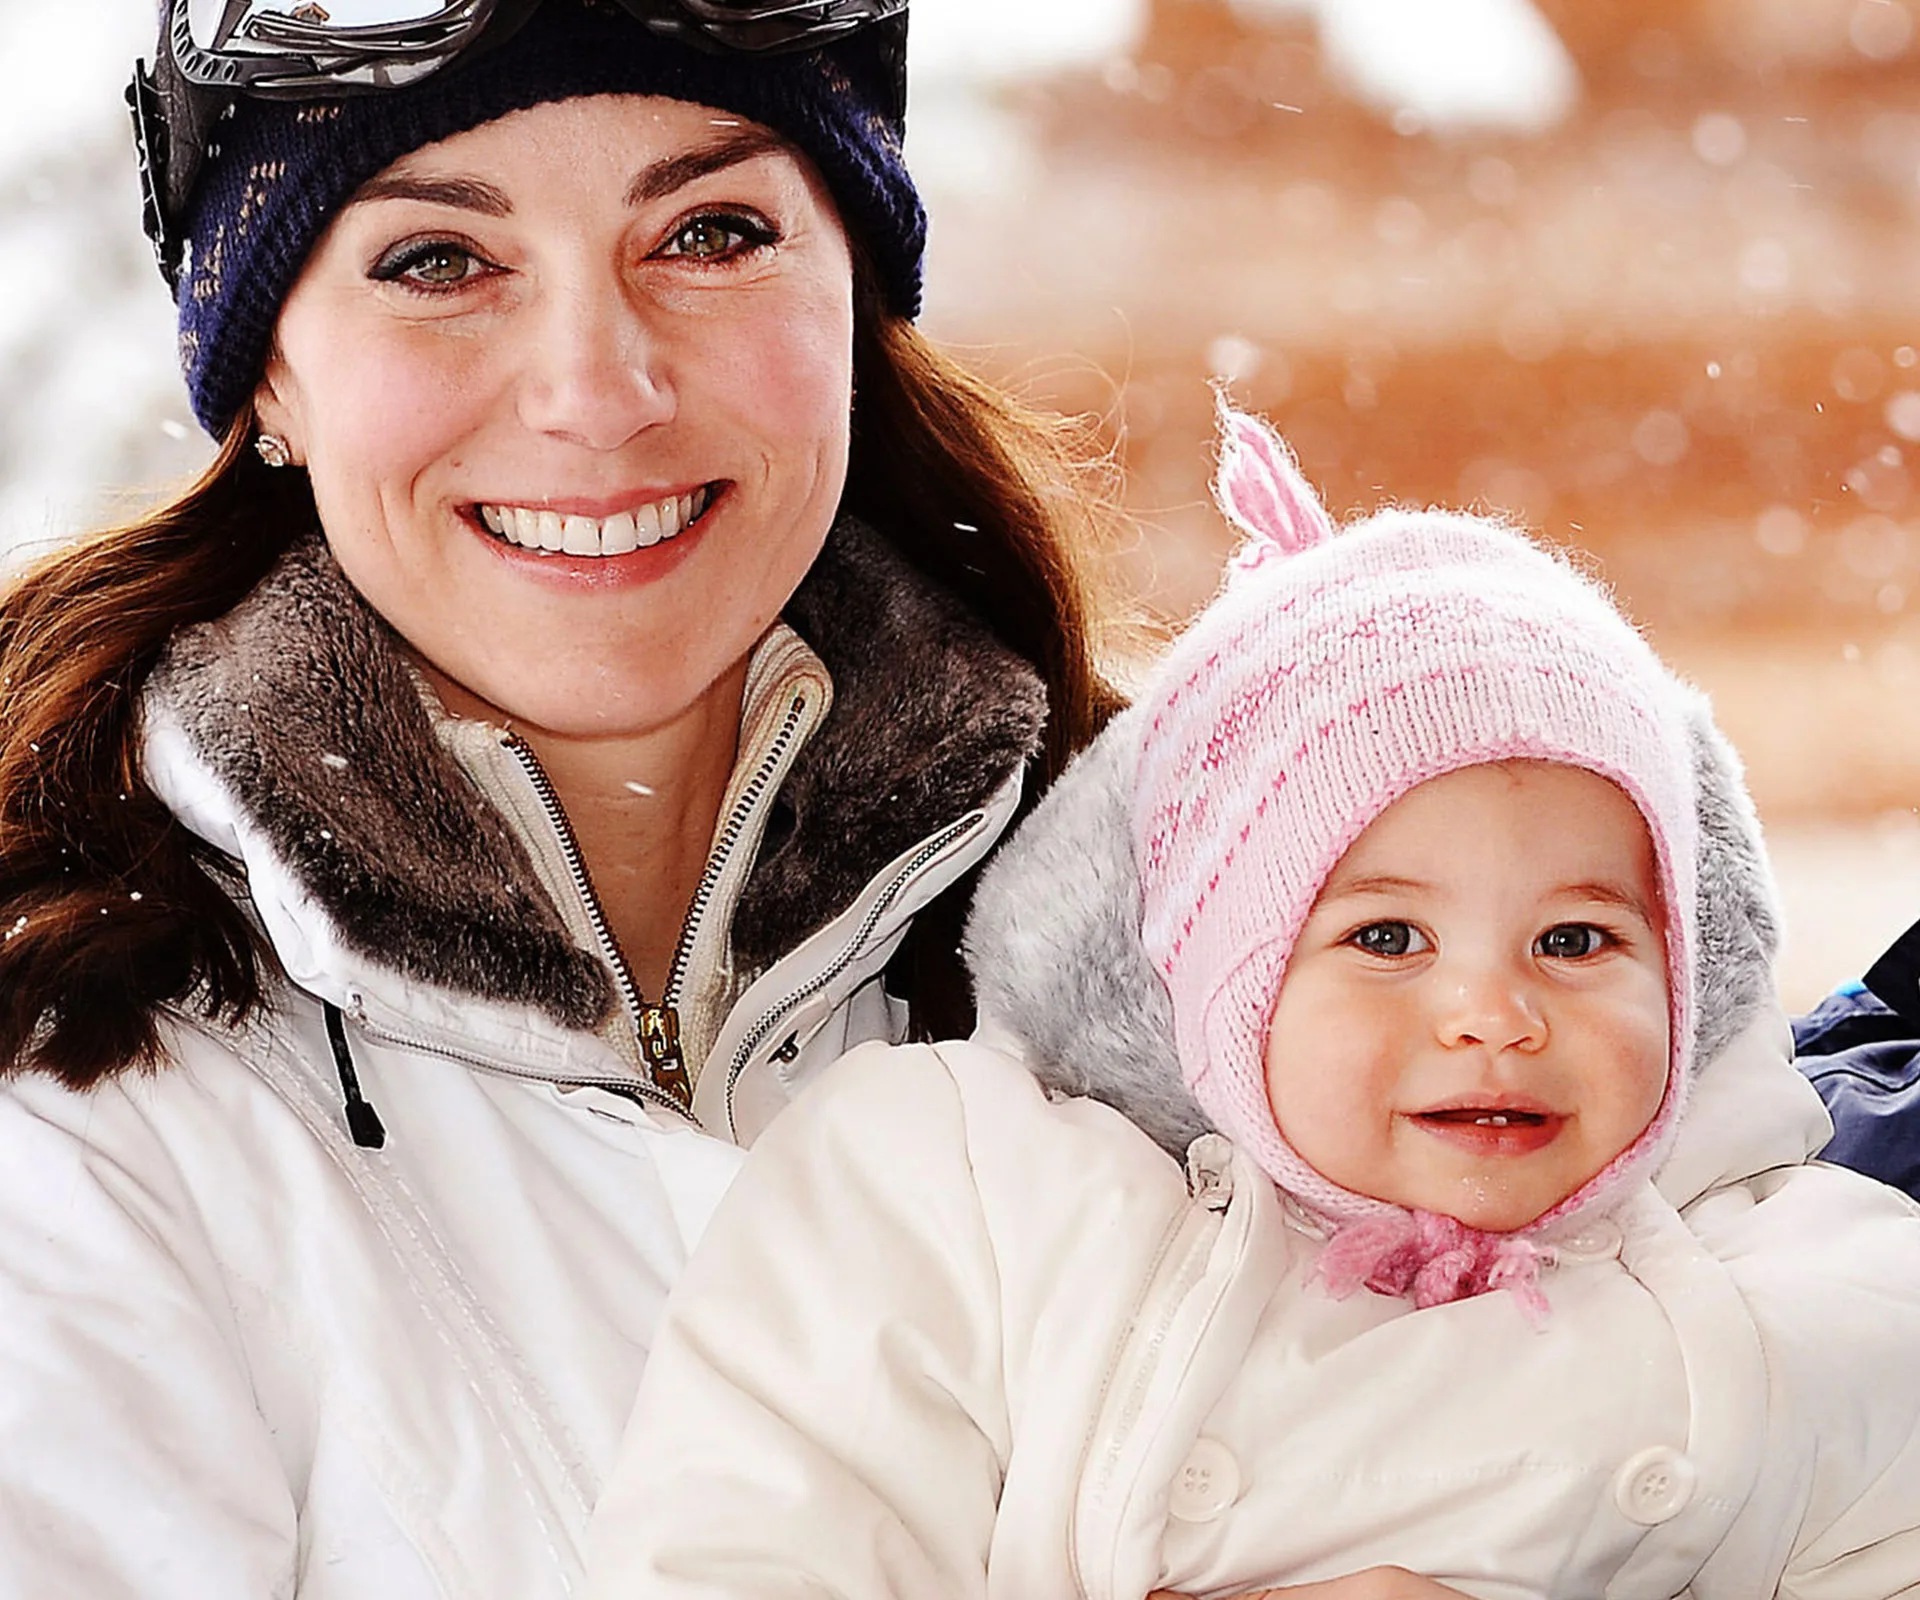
(956,1334)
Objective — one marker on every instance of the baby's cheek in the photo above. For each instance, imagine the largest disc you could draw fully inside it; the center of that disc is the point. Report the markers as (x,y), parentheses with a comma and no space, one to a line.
(1323,1114)
(1639,1040)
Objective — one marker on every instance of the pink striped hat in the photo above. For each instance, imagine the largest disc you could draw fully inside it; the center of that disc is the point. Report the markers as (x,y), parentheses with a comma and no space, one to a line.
(1336,672)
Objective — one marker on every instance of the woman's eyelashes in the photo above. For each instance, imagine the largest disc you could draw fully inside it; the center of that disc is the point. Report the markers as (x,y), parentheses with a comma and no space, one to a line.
(431,266)
(445,265)
(718,236)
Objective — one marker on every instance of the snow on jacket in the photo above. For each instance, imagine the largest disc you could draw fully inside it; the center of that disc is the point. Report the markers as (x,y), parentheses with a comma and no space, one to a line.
(242,1355)
(1047,1362)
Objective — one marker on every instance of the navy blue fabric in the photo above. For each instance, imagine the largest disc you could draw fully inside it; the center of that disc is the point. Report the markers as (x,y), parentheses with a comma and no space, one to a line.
(1863,1055)
(280,170)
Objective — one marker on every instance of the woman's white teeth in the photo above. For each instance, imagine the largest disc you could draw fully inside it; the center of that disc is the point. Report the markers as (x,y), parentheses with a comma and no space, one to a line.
(595,536)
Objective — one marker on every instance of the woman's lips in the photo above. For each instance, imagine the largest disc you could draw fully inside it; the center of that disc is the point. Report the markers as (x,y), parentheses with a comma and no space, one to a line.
(549,532)
(1491,1130)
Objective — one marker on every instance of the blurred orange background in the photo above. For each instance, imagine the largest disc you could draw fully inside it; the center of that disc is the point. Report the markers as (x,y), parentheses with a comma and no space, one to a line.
(1677,330)
(1671,316)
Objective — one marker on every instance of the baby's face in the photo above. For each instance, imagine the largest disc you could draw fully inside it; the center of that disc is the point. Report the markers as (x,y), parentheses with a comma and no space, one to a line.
(1474,1020)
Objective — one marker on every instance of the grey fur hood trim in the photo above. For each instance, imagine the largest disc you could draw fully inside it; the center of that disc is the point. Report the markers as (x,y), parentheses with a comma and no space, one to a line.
(300,702)
(1053,941)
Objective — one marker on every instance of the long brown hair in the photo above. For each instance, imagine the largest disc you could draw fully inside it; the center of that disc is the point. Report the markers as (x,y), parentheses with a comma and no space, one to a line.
(112,913)
(1007,508)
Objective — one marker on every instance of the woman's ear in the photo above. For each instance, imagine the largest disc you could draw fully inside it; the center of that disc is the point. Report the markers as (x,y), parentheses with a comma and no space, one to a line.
(275,411)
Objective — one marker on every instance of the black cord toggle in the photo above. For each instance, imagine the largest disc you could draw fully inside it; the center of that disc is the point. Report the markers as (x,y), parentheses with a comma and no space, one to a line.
(363,1122)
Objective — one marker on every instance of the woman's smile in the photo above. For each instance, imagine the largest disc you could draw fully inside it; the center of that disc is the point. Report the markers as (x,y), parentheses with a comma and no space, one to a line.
(561,530)
(558,545)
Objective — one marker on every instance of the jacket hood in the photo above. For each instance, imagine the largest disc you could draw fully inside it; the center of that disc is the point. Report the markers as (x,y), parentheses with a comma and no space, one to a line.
(1053,944)
(300,706)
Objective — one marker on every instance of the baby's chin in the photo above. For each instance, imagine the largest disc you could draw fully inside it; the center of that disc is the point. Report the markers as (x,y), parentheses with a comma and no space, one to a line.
(1502,1202)
(1501,1214)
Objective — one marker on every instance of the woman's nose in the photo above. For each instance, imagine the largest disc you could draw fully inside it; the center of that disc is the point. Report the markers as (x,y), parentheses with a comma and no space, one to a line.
(1488,1005)
(594,369)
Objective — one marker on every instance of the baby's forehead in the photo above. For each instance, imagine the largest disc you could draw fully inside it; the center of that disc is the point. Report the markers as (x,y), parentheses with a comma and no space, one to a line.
(1522,825)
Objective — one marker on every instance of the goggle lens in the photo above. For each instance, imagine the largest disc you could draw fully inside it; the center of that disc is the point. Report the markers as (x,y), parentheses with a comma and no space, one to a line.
(294,47)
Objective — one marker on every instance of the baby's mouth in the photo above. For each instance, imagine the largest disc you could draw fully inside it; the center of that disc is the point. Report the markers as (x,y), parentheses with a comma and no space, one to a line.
(555,533)
(1482,1118)
(1492,1131)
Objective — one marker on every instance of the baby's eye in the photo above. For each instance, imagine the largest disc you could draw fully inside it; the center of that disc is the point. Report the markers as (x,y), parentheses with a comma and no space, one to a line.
(431,265)
(1571,941)
(717,236)
(1389,939)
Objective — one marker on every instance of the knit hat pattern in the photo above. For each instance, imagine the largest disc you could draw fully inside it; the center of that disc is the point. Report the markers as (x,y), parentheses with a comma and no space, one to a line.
(1337,672)
(280,170)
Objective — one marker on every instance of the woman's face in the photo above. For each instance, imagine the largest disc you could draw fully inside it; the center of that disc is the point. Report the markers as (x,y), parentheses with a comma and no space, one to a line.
(620,325)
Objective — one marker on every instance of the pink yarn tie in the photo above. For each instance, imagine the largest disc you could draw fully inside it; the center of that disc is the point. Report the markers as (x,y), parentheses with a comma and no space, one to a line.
(1432,1260)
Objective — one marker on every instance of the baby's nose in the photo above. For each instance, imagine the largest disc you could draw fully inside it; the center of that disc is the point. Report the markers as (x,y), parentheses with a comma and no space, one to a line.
(1490,1007)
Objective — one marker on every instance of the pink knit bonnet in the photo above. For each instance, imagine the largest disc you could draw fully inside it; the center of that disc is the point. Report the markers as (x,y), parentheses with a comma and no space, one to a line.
(1336,672)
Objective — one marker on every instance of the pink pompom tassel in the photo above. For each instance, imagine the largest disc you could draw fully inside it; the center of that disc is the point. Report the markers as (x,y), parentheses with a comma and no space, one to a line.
(1432,1260)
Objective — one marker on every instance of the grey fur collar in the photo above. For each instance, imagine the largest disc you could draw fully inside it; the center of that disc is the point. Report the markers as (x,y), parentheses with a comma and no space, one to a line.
(300,702)
(1053,940)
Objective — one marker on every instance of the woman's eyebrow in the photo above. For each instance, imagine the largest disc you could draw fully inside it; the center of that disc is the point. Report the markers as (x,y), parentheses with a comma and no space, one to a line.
(652,182)
(463,194)
(676,172)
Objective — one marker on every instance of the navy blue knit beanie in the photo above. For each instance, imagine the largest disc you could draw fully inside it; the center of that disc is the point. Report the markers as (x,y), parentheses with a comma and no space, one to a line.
(280,170)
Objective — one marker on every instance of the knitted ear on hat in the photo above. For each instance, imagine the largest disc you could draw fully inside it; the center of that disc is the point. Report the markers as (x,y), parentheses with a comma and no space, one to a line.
(1261,491)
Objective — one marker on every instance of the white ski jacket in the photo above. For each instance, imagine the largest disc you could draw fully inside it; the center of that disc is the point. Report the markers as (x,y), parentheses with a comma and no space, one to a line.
(243,1355)
(1048,1362)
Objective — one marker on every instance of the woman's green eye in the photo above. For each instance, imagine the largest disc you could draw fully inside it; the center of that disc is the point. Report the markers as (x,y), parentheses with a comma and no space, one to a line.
(717,237)
(436,264)
(441,266)
(706,238)
(1570,941)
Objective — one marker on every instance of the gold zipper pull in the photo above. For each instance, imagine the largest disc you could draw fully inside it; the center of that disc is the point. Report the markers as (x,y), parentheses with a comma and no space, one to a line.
(660,1048)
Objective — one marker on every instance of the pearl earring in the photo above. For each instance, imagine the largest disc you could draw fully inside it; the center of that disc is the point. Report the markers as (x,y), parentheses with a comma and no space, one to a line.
(273,450)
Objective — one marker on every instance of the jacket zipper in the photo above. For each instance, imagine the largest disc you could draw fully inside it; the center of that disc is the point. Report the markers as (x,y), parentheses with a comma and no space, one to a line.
(757,1035)
(729,840)
(656,1027)
(634,1088)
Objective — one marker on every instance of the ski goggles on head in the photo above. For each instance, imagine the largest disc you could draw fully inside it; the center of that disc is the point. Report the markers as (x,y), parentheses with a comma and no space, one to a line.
(302,48)
(214,52)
